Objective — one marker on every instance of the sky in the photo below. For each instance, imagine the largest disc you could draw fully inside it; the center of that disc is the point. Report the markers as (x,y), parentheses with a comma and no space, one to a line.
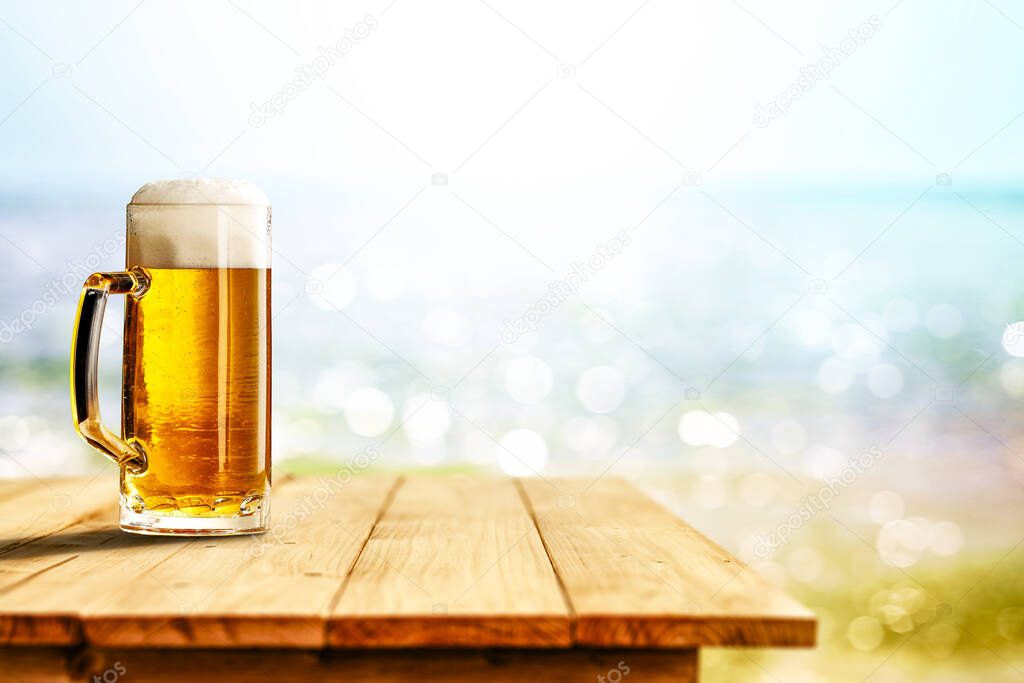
(505,95)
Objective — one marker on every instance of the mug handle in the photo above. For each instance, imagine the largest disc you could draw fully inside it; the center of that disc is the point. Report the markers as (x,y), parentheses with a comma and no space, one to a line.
(85,347)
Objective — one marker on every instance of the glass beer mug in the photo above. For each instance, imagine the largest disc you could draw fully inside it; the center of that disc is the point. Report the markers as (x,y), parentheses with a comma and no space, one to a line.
(194,448)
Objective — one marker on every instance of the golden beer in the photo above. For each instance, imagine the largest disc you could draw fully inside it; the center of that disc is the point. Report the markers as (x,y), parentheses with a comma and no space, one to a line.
(194,447)
(196,391)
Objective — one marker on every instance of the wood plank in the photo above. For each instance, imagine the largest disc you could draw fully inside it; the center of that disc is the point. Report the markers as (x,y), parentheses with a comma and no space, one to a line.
(272,590)
(36,514)
(45,584)
(47,507)
(454,561)
(638,576)
(382,666)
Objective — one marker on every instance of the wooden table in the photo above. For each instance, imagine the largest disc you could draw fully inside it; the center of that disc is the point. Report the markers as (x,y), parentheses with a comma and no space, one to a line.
(378,578)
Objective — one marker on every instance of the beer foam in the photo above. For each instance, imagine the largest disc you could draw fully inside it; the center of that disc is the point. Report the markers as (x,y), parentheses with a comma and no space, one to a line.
(201,223)
(200,191)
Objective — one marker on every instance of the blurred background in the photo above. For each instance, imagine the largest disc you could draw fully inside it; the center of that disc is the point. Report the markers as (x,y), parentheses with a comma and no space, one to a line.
(741,253)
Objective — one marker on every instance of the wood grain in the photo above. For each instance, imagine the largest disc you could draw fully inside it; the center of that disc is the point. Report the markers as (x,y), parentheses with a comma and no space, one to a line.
(46,584)
(454,561)
(381,562)
(638,576)
(45,530)
(272,590)
(33,509)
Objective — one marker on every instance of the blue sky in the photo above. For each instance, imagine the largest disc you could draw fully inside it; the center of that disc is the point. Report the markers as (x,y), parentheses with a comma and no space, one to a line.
(159,88)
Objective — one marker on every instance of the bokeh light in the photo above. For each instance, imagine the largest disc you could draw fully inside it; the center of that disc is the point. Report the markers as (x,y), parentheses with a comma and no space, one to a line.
(601,389)
(528,379)
(522,453)
(368,411)
(700,428)
(425,420)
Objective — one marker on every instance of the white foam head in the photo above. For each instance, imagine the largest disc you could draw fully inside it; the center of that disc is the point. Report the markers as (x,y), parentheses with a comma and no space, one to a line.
(202,223)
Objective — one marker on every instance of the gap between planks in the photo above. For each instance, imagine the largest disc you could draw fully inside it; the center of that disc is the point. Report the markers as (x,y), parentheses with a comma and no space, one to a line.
(614,586)
(639,576)
(278,599)
(547,551)
(388,499)
(409,588)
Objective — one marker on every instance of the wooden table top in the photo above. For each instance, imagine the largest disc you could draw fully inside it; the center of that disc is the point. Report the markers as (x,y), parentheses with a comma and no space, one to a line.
(385,562)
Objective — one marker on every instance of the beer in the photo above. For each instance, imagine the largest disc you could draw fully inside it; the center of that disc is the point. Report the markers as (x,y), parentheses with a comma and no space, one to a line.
(194,448)
(196,391)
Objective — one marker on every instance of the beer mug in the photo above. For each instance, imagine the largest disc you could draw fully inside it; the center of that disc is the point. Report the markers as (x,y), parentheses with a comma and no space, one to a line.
(194,448)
